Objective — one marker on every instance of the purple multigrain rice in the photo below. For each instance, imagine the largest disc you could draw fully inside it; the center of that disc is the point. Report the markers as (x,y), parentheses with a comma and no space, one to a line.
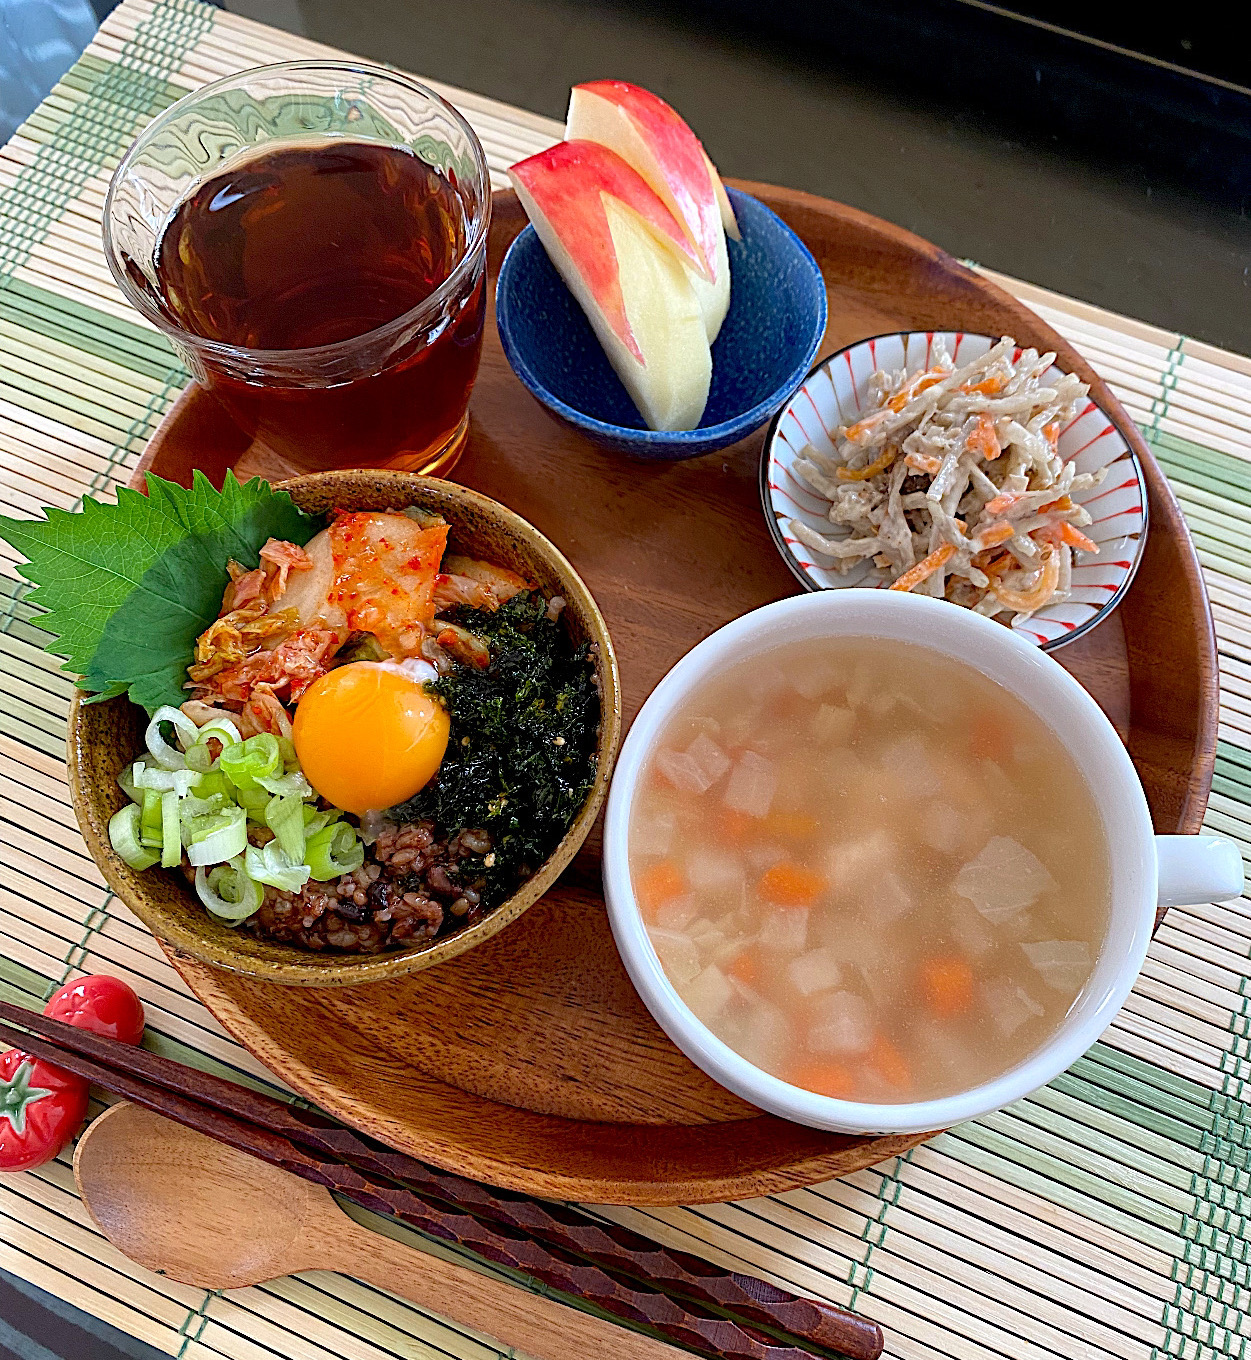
(397,897)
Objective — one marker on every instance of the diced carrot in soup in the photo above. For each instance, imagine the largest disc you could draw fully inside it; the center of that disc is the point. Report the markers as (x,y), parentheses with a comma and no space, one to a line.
(745,967)
(886,1061)
(791,885)
(734,827)
(657,885)
(989,735)
(894,883)
(948,985)
(825,1078)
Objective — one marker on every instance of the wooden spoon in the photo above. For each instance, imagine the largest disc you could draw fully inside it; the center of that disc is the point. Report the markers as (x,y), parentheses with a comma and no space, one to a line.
(204,1214)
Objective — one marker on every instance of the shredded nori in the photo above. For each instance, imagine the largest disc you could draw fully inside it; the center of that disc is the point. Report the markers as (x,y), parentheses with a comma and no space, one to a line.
(521,753)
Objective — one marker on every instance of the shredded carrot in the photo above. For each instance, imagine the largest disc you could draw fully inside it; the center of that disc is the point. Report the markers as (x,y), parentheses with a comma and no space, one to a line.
(1074,537)
(791,885)
(879,464)
(947,984)
(889,1064)
(1064,503)
(825,1078)
(1005,500)
(996,567)
(744,967)
(658,885)
(914,387)
(1026,601)
(993,535)
(983,439)
(988,387)
(791,826)
(924,462)
(862,427)
(1051,433)
(922,571)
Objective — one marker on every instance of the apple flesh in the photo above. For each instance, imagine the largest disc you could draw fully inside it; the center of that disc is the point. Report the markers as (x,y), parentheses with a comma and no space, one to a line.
(728,220)
(629,264)
(654,140)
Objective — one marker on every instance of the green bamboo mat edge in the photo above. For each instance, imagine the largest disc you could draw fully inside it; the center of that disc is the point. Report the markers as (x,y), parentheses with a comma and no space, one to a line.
(1202,1228)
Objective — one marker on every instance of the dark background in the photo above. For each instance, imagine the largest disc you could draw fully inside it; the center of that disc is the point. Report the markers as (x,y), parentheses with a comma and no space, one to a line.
(1098,173)
(1101,150)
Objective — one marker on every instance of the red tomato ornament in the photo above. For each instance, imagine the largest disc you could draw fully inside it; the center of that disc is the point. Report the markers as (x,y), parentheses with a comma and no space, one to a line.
(41,1109)
(102,1004)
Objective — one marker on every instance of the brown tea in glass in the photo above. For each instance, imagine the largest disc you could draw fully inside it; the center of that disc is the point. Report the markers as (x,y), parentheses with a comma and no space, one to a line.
(329,291)
(307,246)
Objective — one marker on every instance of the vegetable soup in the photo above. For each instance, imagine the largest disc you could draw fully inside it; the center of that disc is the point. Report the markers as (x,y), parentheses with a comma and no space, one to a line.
(868,869)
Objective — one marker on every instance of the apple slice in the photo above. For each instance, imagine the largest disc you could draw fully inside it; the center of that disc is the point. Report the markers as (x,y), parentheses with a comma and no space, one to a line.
(728,220)
(629,264)
(650,136)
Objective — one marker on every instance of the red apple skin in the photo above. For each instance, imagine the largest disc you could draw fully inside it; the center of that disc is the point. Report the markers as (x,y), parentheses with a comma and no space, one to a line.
(680,158)
(566,182)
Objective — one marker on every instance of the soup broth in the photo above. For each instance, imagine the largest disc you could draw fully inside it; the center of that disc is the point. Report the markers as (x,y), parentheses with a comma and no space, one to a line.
(869,869)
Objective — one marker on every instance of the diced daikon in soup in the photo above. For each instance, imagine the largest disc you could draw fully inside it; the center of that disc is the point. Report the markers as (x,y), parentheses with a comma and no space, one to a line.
(869,869)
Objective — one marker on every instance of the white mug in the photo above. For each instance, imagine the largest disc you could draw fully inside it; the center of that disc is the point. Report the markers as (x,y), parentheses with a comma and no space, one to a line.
(1146,870)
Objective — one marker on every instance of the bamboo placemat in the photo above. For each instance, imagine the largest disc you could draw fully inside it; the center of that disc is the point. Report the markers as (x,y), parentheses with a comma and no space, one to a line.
(1104,1216)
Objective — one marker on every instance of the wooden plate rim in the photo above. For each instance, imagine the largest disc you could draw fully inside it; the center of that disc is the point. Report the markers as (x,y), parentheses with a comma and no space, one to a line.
(536,1180)
(1165,516)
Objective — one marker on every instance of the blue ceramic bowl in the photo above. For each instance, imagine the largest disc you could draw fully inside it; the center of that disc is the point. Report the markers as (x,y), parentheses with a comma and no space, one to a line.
(765,348)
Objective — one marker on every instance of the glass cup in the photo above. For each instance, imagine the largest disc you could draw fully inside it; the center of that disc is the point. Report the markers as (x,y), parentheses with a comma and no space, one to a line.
(395,396)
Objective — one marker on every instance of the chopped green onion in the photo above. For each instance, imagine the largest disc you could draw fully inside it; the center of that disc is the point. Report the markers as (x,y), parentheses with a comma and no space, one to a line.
(181,781)
(285,818)
(314,821)
(213,783)
(217,838)
(165,755)
(126,781)
(250,760)
(171,831)
(293,783)
(150,819)
(192,806)
(333,851)
(228,892)
(203,804)
(124,838)
(199,757)
(271,864)
(223,729)
(254,800)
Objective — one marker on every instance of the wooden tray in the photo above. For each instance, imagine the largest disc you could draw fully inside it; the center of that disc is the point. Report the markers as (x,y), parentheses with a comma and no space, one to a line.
(530,1062)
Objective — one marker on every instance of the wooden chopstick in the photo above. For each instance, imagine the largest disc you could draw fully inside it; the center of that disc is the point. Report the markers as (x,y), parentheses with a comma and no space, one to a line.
(613,1248)
(620,1271)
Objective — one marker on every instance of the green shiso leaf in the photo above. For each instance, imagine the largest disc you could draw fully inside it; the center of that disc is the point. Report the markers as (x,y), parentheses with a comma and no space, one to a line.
(128,588)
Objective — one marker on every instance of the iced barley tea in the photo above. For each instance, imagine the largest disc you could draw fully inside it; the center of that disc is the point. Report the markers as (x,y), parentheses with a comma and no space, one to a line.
(326,249)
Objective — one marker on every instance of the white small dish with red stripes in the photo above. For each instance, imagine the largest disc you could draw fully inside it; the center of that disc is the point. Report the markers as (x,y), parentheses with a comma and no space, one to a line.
(832,395)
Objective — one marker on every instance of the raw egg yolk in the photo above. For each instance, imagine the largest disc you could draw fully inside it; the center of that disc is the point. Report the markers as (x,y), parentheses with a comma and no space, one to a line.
(368,736)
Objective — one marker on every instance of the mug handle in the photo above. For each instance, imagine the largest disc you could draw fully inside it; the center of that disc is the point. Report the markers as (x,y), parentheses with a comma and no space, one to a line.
(1195,869)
